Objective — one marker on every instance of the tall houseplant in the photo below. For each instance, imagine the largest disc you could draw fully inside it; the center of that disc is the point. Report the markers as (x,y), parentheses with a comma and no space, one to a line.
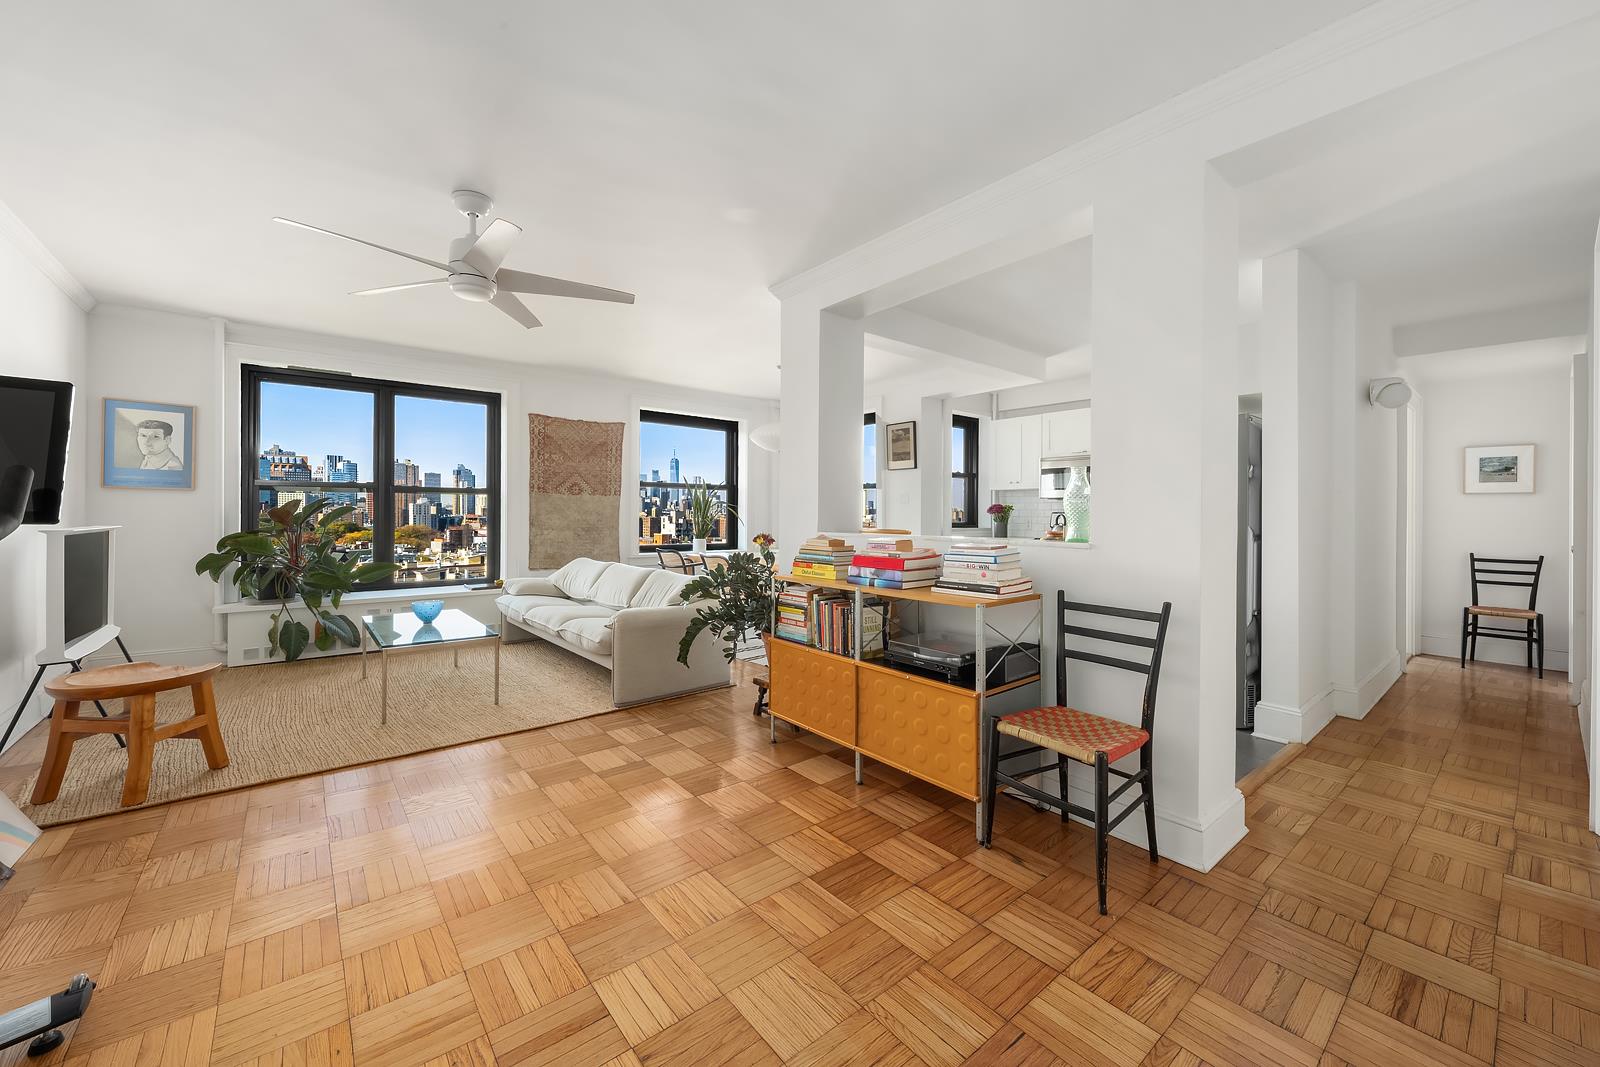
(293,554)
(735,598)
(704,506)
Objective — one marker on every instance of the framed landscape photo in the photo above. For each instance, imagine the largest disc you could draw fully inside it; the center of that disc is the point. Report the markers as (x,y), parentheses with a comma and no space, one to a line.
(147,445)
(1498,468)
(902,446)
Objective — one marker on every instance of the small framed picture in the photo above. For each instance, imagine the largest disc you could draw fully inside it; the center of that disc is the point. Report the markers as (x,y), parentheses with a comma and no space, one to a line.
(147,445)
(902,446)
(1498,469)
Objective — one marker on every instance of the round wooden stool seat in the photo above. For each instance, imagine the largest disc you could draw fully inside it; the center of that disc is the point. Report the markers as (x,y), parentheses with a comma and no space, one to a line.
(128,679)
(136,684)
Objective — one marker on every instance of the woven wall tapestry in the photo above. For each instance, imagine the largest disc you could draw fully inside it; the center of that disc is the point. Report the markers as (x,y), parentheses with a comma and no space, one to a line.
(574,490)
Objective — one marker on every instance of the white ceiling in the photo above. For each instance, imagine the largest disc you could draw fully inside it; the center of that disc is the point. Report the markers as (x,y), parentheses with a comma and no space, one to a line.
(692,152)
(1040,304)
(1472,192)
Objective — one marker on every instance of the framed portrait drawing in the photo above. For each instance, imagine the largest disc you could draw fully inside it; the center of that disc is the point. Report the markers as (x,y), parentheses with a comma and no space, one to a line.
(147,445)
(1498,469)
(902,437)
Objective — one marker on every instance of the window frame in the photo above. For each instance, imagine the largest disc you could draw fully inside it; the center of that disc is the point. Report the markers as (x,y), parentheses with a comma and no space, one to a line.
(969,425)
(730,467)
(869,419)
(381,484)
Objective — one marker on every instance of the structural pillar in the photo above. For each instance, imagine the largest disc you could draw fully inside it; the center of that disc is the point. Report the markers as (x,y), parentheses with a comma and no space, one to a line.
(819,456)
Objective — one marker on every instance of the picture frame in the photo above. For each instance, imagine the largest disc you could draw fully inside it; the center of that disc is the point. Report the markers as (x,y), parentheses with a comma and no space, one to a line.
(901,445)
(147,444)
(1498,468)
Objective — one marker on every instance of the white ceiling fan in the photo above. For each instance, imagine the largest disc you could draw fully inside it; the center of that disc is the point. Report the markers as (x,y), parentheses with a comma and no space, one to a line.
(474,272)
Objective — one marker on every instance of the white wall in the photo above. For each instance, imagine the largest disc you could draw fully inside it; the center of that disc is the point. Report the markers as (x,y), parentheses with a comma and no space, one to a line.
(1523,405)
(42,335)
(168,610)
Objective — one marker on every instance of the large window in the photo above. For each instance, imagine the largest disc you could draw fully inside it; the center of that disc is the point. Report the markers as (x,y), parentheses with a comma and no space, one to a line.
(676,453)
(420,465)
(963,471)
(869,472)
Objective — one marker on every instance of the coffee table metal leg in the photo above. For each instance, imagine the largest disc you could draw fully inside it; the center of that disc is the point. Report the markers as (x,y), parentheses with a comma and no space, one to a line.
(383,660)
(455,654)
(497,643)
(363,653)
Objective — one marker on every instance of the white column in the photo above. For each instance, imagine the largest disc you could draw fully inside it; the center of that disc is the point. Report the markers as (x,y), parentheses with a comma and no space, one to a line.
(1165,338)
(1297,366)
(819,459)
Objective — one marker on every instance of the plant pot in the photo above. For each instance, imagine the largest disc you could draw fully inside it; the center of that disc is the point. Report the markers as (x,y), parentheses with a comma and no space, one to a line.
(1000,526)
(699,544)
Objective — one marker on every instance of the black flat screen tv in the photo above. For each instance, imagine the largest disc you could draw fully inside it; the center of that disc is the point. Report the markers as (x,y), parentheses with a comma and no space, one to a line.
(35,419)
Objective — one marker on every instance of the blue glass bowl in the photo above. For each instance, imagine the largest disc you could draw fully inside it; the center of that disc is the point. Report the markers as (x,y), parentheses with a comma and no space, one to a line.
(427,610)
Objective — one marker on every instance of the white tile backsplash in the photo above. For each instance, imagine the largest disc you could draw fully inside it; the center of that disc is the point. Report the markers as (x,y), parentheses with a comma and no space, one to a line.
(1032,515)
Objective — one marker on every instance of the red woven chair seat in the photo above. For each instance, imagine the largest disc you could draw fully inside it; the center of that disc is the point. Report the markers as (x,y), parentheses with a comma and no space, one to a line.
(1078,735)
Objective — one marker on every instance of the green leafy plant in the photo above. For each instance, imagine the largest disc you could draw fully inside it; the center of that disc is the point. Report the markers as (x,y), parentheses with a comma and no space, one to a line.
(704,506)
(735,598)
(293,555)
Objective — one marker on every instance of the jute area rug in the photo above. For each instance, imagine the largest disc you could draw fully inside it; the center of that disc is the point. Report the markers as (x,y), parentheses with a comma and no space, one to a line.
(284,720)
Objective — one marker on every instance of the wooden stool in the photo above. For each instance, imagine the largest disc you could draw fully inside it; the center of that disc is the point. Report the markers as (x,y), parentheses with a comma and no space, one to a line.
(137,684)
(762,684)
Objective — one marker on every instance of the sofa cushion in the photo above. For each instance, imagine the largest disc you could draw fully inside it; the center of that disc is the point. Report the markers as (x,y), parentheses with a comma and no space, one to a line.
(618,584)
(515,607)
(551,617)
(590,634)
(578,578)
(660,590)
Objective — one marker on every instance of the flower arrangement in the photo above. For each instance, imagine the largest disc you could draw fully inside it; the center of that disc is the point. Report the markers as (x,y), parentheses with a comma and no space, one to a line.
(1001,511)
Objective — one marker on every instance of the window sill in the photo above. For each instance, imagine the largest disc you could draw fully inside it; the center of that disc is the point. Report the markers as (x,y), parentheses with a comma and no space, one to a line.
(437,592)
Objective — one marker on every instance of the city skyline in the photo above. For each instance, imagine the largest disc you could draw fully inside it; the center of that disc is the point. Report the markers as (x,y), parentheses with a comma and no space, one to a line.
(434,434)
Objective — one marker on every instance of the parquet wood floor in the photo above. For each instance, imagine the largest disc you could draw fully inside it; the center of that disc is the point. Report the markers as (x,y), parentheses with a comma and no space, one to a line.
(661,886)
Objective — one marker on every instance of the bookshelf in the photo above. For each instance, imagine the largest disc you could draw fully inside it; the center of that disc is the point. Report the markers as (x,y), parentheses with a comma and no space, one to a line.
(927,728)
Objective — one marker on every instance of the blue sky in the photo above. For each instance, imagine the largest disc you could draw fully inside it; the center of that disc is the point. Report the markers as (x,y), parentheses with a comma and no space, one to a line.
(701,453)
(435,434)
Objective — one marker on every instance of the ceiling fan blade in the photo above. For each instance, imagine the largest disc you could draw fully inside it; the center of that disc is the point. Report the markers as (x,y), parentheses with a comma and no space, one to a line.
(516,309)
(359,241)
(516,281)
(397,288)
(486,255)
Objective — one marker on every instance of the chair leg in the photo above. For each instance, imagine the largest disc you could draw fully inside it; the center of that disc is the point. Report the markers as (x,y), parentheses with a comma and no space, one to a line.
(1530,645)
(205,706)
(1061,780)
(1464,617)
(1146,763)
(1473,655)
(1101,793)
(1541,644)
(991,779)
(141,748)
(58,750)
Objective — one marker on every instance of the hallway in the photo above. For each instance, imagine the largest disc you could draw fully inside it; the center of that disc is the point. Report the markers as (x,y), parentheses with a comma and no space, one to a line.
(1431,863)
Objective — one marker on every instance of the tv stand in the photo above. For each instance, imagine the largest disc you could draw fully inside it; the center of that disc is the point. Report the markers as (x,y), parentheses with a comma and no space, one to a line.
(38,675)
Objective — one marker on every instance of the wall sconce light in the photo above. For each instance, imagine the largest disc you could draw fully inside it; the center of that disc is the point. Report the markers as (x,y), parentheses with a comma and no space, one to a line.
(1388,392)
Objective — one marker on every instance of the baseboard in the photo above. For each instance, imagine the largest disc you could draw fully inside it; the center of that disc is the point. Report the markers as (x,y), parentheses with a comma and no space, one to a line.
(1353,702)
(1291,726)
(1199,844)
(1509,653)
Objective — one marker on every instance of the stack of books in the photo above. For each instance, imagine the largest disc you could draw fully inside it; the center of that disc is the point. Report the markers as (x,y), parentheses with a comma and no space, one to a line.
(984,569)
(894,563)
(823,557)
(833,624)
(794,613)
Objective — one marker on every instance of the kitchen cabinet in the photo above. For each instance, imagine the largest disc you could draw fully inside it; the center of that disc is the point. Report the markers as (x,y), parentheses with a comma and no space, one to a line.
(1015,444)
(1065,433)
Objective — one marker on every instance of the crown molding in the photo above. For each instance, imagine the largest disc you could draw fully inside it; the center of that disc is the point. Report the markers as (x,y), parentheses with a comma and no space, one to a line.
(14,230)
(1359,30)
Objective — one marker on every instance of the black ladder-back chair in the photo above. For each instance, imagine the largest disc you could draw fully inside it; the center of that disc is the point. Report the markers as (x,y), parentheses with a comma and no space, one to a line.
(1094,740)
(1517,574)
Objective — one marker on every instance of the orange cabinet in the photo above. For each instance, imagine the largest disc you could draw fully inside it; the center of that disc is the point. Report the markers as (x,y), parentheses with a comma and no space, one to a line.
(920,726)
(813,689)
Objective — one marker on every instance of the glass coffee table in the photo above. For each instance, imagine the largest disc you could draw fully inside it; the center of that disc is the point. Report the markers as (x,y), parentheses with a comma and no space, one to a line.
(403,631)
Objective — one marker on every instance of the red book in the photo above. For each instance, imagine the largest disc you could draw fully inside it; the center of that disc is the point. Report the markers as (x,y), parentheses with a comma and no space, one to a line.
(897,563)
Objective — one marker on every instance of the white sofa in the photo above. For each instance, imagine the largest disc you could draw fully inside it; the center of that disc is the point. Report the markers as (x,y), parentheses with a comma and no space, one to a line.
(627,619)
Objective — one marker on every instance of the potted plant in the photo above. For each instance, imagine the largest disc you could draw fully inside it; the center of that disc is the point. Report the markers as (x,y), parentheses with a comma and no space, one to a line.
(294,554)
(736,600)
(704,506)
(1001,514)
